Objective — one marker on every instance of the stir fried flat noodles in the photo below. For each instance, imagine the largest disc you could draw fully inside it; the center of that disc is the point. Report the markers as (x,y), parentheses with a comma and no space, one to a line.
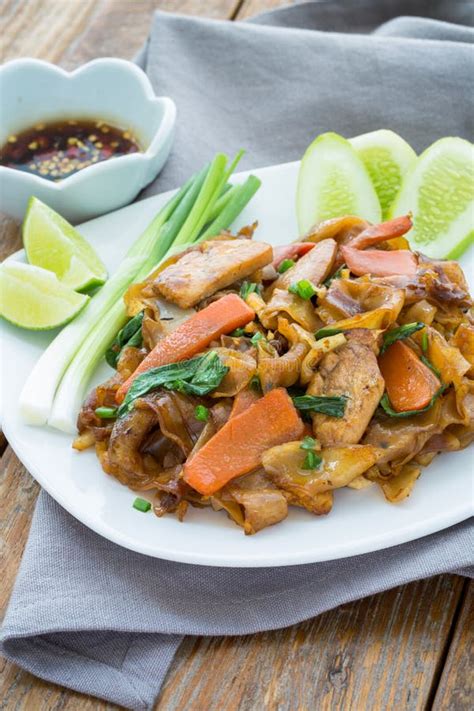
(251,379)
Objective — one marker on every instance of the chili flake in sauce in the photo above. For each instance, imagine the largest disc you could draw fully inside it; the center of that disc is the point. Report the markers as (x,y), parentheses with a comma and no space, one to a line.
(57,150)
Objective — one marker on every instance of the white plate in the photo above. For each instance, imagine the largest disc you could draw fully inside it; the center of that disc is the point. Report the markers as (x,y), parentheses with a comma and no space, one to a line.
(361,521)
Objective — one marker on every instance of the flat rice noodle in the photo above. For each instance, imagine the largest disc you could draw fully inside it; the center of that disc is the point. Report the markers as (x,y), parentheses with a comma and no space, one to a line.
(280,371)
(379,305)
(283,303)
(128,361)
(262,504)
(360,482)
(340,466)
(242,368)
(400,486)
(463,340)
(422,311)
(398,440)
(444,441)
(342,229)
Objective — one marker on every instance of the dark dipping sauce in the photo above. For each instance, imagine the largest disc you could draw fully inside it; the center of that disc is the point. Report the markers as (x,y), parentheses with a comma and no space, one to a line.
(56,150)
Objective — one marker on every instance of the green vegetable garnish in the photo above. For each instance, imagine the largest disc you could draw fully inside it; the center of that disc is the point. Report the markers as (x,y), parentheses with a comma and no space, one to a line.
(197,376)
(387,407)
(255,383)
(424,342)
(201,413)
(130,335)
(256,338)
(326,332)
(334,406)
(308,443)
(237,333)
(248,288)
(285,265)
(141,505)
(303,288)
(399,334)
(106,413)
(312,460)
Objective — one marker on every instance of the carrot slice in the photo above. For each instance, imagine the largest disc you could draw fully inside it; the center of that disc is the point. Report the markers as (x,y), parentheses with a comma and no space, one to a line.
(290,251)
(237,448)
(410,384)
(375,234)
(243,400)
(378,262)
(195,334)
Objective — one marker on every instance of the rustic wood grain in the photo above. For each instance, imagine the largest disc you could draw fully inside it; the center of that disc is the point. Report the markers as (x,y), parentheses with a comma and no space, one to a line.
(456,687)
(383,652)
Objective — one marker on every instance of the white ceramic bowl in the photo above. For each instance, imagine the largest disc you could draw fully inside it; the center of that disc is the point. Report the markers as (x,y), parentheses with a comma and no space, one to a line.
(113,90)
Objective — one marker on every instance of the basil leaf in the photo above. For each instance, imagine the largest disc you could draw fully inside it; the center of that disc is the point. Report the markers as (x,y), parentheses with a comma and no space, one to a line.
(334,406)
(387,407)
(398,334)
(197,376)
(130,335)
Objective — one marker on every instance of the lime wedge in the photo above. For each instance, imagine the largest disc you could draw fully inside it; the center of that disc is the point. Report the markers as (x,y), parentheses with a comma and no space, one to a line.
(52,243)
(333,181)
(439,191)
(387,157)
(34,298)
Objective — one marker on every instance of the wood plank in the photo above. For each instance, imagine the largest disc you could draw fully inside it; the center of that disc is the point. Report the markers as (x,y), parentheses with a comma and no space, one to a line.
(456,685)
(378,653)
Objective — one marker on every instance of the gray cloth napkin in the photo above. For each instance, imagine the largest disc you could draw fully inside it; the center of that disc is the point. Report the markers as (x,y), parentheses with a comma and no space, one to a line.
(92,616)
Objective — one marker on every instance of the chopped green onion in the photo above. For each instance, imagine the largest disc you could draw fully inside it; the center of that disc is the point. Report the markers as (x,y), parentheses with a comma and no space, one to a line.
(308,443)
(256,338)
(248,288)
(327,332)
(236,203)
(334,406)
(255,383)
(201,413)
(312,460)
(141,505)
(237,333)
(303,288)
(106,413)
(398,334)
(424,342)
(285,265)
(387,407)
(430,365)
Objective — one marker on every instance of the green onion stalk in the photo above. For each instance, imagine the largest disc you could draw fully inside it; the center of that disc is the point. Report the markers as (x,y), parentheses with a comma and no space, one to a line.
(55,389)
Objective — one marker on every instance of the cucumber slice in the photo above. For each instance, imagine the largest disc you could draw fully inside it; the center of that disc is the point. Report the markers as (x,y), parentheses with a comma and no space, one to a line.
(387,158)
(439,191)
(332,182)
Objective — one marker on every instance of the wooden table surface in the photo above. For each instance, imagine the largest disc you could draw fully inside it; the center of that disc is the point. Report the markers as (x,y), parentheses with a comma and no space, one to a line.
(408,648)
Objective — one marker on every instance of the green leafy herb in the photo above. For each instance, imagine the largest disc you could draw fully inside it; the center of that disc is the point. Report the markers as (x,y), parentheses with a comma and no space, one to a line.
(334,406)
(106,413)
(398,334)
(141,505)
(312,460)
(197,376)
(335,275)
(257,337)
(201,413)
(326,332)
(255,383)
(285,265)
(387,407)
(308,443)
(248,288)
(430,365)
(130,335)
(303,288)
(237,333)
(424,342)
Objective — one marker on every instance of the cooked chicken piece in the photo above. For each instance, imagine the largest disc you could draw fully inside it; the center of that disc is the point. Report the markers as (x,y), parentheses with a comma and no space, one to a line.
(352,371)
(215,265)
(315,266)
